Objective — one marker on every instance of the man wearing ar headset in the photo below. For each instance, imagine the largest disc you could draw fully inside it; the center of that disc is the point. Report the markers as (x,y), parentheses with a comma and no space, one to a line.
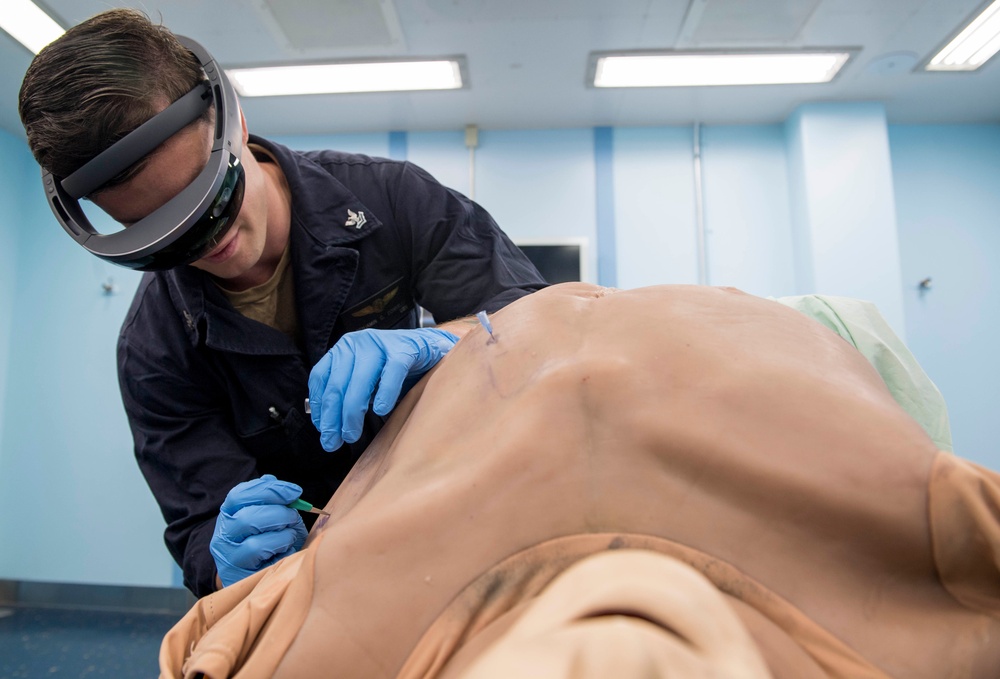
(273,276)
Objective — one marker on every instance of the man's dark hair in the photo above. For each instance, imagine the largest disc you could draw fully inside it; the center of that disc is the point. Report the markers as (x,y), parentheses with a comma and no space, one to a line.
(98,82)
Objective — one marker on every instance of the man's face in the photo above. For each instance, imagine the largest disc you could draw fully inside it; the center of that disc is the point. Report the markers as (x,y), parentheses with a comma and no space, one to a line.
(169,170)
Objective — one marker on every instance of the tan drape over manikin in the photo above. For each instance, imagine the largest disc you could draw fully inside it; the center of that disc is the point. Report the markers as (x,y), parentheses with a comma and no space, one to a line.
(673,481)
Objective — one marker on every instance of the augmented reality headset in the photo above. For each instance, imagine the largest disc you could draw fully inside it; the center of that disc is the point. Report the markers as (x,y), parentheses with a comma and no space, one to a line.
(192,222)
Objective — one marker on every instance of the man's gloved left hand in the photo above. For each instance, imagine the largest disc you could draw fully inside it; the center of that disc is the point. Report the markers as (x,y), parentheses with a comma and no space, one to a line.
(341,384)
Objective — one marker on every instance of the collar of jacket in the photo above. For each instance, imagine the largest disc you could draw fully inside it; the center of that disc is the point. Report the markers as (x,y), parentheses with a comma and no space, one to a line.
(320,240)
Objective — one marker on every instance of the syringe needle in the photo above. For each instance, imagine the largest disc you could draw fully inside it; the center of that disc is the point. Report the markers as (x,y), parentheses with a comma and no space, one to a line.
(485,321)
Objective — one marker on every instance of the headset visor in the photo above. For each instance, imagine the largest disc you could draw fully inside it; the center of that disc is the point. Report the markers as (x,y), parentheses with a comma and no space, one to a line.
(191,223)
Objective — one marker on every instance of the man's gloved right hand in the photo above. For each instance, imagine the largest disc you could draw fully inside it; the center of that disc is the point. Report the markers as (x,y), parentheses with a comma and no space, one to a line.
(255,528)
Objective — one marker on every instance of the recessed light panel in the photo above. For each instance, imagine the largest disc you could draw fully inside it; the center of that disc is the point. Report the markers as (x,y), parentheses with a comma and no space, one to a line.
(28,24)
(973,46)
(707,69)
(338,78)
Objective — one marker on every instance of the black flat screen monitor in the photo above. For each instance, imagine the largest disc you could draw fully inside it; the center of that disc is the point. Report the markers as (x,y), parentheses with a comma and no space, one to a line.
(558,263)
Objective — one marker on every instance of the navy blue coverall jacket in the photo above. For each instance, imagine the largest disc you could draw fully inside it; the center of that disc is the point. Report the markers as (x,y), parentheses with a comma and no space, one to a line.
(214,398)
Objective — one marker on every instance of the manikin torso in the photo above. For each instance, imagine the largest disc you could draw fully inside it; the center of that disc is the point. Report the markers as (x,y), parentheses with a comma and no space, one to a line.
(723,430)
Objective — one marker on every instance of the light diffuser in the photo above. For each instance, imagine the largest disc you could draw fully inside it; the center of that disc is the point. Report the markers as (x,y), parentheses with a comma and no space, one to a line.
(973,46)
(28,24)
(337,78)
(705,69)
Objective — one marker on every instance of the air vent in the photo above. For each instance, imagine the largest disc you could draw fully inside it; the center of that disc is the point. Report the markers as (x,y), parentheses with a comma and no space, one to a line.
(729,23)
(331,27)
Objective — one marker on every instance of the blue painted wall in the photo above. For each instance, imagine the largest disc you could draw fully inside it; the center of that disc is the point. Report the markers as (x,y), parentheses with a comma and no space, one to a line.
(539,184)
(654,206)
(63,432)
(947,182)
(747,211)
(845,219)
(445,156)
(13,183)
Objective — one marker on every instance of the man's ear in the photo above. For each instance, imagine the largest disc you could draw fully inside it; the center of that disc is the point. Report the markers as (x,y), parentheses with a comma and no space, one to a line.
(243,123)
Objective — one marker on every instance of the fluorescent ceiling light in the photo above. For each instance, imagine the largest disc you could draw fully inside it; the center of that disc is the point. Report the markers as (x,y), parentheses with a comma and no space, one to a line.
(689,69)
(29,25)
(974,46)
(374,76)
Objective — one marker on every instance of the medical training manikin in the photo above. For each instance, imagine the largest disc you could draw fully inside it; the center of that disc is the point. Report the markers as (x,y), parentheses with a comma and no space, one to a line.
(674,481)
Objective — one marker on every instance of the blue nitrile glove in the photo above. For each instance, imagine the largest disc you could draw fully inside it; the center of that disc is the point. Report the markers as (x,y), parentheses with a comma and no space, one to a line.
(255,528)
(341,384)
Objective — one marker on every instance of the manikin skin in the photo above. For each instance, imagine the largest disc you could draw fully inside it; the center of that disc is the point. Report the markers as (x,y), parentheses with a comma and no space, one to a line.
(737,443)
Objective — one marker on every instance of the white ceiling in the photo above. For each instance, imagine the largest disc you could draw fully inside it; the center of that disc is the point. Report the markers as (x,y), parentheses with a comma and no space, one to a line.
(527,59)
